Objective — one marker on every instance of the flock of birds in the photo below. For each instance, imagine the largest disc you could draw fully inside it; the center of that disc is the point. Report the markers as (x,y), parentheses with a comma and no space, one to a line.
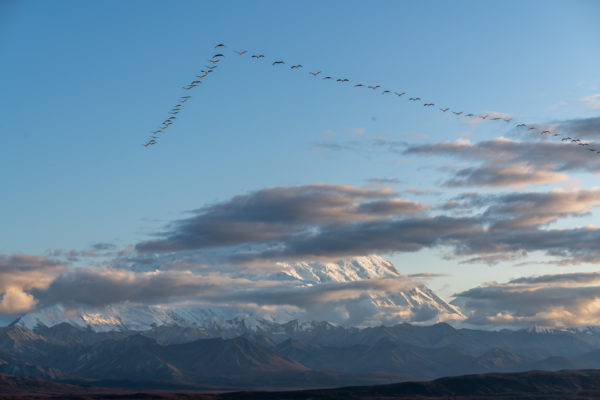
(215,59)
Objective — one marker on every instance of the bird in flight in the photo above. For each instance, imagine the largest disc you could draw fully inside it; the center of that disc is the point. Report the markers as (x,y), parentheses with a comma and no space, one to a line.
(241,52)
(219,45)
(399,94)
(469,115)
(315,73)
(258,57)
(414,99)
(218,55)
(296,66)
(444,109)
(342,80)
(484,116)
(520,125)
(328,77)
(385,92)
(428,104)
(278,62)
(359,85)
(374,87)
(457,113)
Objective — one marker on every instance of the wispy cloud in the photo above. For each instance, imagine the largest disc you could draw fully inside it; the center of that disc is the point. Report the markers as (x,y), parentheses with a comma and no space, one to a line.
(507,162)
(592,101)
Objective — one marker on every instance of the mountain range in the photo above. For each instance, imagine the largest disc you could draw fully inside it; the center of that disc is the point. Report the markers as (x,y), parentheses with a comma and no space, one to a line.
(287,355)
(135,345)
(415,303)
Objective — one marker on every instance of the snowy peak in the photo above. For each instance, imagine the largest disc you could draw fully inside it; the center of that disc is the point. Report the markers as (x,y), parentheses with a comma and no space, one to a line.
(347,270)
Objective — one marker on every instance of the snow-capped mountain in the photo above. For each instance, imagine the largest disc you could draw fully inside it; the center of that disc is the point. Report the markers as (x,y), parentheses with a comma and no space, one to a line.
(414,303)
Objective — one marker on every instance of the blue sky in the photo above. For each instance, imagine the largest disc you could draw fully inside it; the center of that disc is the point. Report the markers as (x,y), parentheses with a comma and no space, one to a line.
(86,82)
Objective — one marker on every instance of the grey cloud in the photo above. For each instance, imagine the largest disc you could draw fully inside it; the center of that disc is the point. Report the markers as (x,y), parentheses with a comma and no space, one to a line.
(585,128)
(575,277)
(383,180)
(332,222)
(529,209)
(271,214)
(93,286)
(550,300)
(103,246)
(334,242)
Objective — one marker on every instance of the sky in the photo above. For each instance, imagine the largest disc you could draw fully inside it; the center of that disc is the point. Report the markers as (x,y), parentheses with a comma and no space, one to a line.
(267,164)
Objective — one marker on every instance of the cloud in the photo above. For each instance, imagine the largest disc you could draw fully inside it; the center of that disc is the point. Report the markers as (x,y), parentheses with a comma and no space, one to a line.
(271,214)
(516,175)
(548,300)
(20,273)
(531,209)
(15,300)
(95,287)
(584,128)
(422,192)
(592,101)
(26,271)
(506,162)
(326,222)
(103,246)
(98,286)
(384,181)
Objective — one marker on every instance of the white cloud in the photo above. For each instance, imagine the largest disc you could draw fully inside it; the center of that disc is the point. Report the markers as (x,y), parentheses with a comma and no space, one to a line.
(592,101)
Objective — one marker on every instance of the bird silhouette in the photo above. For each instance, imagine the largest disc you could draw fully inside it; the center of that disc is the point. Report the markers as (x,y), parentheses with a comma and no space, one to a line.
(315,73)
(399,94)
(219,45)
(278,62)
(241,52)
(258,57)
(296,66)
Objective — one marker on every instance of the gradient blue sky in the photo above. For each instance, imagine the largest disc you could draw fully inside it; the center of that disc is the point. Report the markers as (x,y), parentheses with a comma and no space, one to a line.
(83,83)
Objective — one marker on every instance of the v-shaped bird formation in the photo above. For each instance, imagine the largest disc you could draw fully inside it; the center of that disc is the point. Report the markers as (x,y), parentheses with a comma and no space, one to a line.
(216,58)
